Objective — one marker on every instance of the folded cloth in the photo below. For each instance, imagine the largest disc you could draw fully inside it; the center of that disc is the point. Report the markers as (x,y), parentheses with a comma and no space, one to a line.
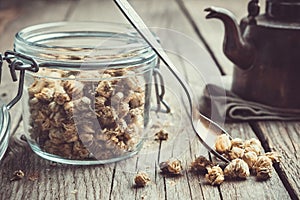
(225,105)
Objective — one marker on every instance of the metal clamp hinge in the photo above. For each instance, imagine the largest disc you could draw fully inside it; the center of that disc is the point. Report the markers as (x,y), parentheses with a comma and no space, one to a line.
(17,62)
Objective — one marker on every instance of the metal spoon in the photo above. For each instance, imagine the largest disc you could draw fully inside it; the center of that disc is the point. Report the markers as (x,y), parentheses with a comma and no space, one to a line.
(200,123)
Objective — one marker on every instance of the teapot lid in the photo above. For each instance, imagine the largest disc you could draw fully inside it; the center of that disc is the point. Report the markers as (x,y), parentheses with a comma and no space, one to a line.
(4,128)
(283,9)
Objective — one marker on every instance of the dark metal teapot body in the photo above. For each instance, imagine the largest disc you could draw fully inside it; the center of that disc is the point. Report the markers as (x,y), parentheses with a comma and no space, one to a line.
(266,52)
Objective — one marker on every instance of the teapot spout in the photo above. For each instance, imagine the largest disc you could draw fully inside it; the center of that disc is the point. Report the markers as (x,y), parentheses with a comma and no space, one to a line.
(240,52)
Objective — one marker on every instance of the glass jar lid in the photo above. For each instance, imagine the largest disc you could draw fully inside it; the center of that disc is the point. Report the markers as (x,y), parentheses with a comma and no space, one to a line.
(4,128)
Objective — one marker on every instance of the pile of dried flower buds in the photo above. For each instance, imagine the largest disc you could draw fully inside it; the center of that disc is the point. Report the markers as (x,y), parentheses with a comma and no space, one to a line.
(93,116)
(245,157)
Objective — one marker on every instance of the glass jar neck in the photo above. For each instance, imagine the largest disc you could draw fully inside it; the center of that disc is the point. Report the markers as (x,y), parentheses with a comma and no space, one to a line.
(83,44)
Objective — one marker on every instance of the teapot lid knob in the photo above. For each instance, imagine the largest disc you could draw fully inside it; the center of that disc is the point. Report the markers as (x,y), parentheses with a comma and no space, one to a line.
(253,10)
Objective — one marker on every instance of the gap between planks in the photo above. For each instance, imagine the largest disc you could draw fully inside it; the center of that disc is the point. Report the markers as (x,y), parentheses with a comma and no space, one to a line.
(285,172)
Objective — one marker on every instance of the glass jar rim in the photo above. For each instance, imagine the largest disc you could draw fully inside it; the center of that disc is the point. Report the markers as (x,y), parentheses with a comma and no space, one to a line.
(69,44)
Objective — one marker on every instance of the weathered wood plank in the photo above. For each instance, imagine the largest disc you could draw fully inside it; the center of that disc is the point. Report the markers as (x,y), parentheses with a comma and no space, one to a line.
(116,181)
(168,17)
(46,180)
(284,137)
(120,183)
(251,188)
(95,10)
(243,189)
(19,15)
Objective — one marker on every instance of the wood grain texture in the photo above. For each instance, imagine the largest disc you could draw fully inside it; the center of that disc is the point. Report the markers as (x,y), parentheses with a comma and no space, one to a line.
(96,10)
(244,189)
(46,180)
(251,188)
(168,17)
(284,137)
(24,14)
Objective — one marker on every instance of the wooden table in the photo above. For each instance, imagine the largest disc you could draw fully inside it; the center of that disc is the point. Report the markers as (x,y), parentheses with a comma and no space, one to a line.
(46,180)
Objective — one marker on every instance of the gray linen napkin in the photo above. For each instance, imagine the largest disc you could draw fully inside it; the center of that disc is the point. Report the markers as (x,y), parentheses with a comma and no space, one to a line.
(227,105)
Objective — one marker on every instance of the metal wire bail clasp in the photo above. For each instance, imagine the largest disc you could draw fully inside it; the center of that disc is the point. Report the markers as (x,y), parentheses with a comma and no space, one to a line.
(20,62)
(159,86)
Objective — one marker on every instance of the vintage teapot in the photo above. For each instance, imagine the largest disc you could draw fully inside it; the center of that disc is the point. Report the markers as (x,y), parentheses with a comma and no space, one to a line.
(266,51)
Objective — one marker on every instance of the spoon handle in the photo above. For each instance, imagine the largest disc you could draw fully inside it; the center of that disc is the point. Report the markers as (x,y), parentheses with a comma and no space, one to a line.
(144,31)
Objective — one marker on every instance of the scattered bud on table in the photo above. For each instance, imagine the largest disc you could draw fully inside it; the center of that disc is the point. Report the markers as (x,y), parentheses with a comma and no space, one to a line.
(274,156)
(141,179)
(254,145)
(161,135)
(17,175)
(172,167)
(200,164)
(263,167)
(215,175)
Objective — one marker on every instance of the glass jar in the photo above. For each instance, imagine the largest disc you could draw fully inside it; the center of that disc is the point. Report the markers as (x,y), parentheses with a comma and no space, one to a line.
(4,128)
(89,102)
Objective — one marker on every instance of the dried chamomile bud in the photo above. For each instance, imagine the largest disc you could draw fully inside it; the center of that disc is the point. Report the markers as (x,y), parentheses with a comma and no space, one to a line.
(236,152)
(141,179)
(64,113)
(172,166)
(104,88)
(237,168)
(86,139)
(263,167)
(200,164)
(215,175)
(81,104)
(17,175)
(100,101)
(53,107)
(263,173)
(253,145)
(69,108)
(223,143)
(79,150)
(274,156)
(136,116)
(117,98)
(237,142)
(136,100)
(60,95)
(72,87)
(250,158)
(123,109)
(161,135)
(36,87)
(46,94)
